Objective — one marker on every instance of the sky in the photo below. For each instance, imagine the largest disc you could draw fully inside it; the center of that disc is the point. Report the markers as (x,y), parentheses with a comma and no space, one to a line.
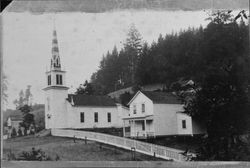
(83,39)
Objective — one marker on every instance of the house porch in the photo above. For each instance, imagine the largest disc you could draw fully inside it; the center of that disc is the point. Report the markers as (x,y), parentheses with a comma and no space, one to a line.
(140,127)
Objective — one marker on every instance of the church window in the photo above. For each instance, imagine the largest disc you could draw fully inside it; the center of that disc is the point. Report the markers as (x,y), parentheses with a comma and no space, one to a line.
(49,79)
(109,117)
(82,117)
(96,117)
(59,79)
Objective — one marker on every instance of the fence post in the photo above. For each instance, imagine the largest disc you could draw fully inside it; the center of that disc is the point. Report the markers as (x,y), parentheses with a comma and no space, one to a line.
(133,152)
(151,148)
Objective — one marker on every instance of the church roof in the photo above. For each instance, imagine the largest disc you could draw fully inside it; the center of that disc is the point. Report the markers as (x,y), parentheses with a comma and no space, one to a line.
(90,100)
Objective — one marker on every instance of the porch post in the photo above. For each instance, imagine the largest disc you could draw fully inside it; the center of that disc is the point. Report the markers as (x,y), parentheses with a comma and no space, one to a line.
(132,124)
(145,127)
(123,128)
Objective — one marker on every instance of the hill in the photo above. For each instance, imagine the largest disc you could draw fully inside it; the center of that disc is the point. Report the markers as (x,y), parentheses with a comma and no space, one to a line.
(97,6)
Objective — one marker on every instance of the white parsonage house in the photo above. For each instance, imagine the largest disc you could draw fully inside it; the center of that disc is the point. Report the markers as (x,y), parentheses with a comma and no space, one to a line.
(159,114)
(63,110)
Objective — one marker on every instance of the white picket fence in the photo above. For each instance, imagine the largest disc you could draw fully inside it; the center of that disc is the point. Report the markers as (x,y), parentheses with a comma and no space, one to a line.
(138,146)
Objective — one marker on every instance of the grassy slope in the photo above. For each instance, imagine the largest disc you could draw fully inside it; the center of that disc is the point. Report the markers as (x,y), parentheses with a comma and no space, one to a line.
(67,150)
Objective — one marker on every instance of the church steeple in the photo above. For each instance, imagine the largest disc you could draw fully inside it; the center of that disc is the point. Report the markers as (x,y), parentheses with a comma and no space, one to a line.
(55,60)
(56,90)
(55,76)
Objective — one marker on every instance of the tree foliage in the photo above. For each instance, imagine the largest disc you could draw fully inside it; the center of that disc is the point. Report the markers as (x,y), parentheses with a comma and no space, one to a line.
(118,69)
(85,88)
(24,104)
(222,102)
(186,54)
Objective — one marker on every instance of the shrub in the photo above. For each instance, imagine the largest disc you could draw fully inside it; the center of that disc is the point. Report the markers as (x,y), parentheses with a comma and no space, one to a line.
(20,132)
(35,155)
(13,133)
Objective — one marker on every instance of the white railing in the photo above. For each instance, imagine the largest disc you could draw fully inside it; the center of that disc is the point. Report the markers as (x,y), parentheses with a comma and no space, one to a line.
(139,134)
(142,147)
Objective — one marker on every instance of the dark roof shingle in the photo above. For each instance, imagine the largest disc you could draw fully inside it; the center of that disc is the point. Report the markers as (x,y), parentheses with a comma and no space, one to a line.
(162,97)
(90,100)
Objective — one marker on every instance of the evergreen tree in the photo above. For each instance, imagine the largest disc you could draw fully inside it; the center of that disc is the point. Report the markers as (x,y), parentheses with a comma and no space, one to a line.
(24,105)
(132,48)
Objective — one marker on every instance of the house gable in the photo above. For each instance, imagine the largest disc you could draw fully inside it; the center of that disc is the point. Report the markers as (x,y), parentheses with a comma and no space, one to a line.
(136,105)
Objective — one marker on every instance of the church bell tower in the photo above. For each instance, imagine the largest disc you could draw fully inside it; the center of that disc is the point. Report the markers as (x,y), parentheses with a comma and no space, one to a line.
(56,91)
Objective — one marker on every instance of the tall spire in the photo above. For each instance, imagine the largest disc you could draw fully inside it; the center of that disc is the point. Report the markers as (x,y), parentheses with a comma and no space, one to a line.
(55,60)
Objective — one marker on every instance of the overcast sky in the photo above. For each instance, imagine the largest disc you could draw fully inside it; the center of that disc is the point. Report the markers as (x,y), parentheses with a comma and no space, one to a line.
(83,38)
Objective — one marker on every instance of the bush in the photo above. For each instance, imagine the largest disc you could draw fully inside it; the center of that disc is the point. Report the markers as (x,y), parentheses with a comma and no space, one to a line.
(13,132)
(35,155)
(20,132)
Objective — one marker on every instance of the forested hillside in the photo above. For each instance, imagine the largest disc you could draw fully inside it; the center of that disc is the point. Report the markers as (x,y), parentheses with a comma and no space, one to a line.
(188,54)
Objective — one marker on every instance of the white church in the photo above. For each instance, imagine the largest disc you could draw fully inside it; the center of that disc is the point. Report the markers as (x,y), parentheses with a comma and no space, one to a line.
(63,110)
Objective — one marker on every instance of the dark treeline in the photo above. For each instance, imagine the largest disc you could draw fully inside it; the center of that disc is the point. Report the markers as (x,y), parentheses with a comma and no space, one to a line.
(188,54)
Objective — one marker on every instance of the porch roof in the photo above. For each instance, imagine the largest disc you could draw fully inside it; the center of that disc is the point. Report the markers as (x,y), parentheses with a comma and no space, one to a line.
(147,117)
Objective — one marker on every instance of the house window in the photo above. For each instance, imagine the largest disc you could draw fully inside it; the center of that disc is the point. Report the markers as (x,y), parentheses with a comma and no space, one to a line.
(184,126)
(96,117)
(109,117)
(49,79)
(143,108)
(82,117)
(59,79)
(134,109)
